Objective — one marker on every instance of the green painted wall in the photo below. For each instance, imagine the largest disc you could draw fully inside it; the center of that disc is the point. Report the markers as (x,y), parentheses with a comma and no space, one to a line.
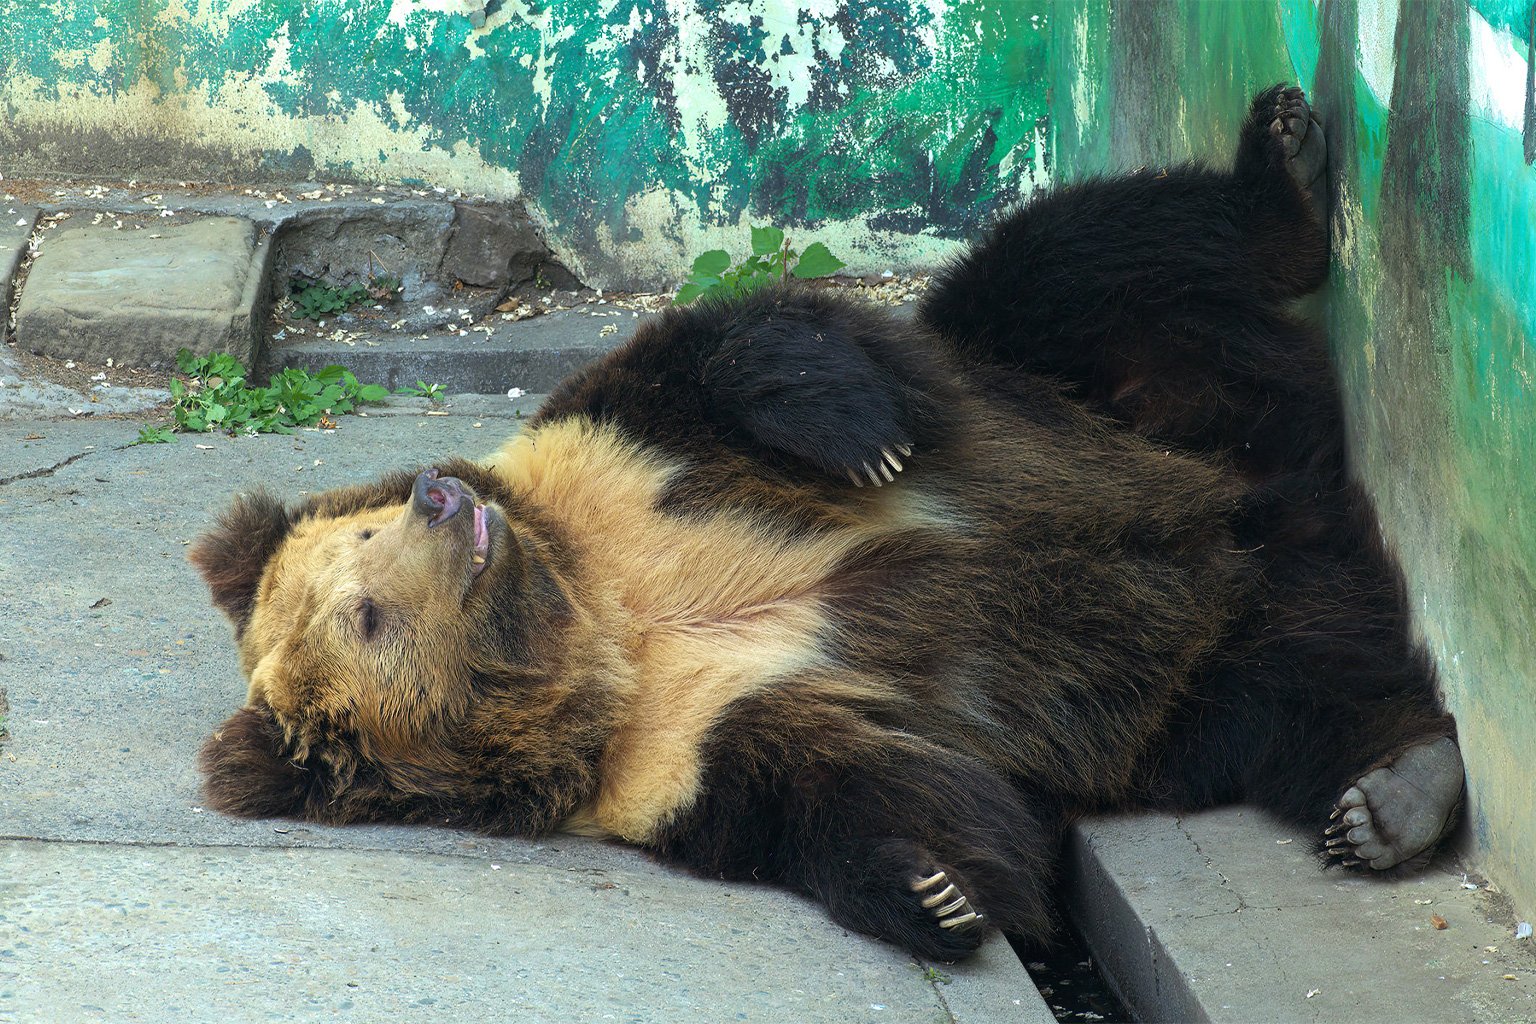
(1432,306)
(641,132)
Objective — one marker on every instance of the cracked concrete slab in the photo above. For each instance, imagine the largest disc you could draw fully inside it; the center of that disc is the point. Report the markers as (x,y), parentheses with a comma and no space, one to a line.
(1226,916)
(139,903)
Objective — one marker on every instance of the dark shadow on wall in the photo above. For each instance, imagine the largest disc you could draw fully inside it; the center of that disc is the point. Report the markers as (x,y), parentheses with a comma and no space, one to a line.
(1333,98)
(1145,110)
(1424,199)
(1530,90)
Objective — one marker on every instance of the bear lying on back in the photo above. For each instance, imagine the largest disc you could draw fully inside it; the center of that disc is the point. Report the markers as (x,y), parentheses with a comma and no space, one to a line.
(791,589)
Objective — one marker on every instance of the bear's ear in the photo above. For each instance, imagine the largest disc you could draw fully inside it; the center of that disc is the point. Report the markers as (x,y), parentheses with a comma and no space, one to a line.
(246,772)
(233,554)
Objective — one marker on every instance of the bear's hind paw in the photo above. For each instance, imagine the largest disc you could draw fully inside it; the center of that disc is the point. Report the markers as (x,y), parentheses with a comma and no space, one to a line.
(945,902)
(1397,813)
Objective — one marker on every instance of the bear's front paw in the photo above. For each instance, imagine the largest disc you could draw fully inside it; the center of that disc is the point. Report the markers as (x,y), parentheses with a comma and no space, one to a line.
(897,891)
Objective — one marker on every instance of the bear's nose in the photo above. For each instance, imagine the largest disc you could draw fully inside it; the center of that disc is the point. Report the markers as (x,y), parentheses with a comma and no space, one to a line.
(437,498)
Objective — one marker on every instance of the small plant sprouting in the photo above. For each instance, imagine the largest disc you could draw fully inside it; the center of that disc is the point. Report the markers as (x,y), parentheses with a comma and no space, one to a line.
(421,389)
(317,300)
(772,260)
(935,976)
(154,435)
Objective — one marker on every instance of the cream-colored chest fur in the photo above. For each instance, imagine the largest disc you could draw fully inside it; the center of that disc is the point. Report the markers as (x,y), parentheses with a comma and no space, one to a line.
(714,608)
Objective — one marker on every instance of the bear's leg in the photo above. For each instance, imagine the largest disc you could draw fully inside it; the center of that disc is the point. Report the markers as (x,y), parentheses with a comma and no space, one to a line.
(900,839)
(925,854)
(1377,780)
(1326,712)
(1282,136)
(1163,296)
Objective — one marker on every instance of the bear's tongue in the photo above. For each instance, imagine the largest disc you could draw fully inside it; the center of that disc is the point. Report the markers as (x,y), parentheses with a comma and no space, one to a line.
(482,541)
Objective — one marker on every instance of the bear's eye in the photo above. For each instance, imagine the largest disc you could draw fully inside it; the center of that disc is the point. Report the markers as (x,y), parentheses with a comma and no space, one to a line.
(369,619)
(365,534)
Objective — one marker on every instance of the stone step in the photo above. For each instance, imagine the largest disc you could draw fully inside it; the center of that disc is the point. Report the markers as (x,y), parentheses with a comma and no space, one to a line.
(533,354)
(95,293)
(132,276)
(16,223)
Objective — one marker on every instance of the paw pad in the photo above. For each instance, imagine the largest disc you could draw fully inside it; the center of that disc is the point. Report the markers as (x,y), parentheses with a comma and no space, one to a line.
(945,902)
(1398,812)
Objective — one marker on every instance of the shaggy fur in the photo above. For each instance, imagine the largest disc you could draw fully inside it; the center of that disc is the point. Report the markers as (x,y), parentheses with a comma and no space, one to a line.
(1112,561)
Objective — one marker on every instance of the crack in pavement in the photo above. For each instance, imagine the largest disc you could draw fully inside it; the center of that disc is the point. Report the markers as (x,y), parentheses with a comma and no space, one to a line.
(49,471)
(1226,883)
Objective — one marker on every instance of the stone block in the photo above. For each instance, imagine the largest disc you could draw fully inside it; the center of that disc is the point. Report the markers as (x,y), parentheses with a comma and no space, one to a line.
(344,244)
(493,247)
(16,224)
(137,296)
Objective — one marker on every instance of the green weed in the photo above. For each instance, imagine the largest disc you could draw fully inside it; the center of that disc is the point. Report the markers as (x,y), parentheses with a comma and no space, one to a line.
(218,397)
(421,389)
(772,260)
(317,300)
(154,435)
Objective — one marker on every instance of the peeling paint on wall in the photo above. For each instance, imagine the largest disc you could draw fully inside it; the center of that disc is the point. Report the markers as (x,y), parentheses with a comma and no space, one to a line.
(641,132)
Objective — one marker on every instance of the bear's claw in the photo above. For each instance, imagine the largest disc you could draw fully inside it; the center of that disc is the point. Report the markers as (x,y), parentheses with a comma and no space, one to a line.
(948,904)
(888,465)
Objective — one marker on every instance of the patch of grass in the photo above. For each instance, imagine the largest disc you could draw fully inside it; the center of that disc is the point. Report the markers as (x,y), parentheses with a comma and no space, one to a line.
(935,976)
(772,260)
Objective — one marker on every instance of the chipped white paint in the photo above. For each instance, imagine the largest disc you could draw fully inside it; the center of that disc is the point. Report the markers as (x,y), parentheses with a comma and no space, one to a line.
(1498,69)
(792,34)
(278,65)
(1085,88)
(701,107)
(1377,27)
(400,11)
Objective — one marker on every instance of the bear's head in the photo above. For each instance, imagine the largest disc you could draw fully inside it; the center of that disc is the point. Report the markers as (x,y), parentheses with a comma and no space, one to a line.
(414,652)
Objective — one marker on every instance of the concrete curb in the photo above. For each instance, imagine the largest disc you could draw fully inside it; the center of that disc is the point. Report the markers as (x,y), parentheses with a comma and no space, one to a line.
(1225,916)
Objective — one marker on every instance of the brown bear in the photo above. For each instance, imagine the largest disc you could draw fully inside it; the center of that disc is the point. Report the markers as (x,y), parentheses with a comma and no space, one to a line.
(792,589)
